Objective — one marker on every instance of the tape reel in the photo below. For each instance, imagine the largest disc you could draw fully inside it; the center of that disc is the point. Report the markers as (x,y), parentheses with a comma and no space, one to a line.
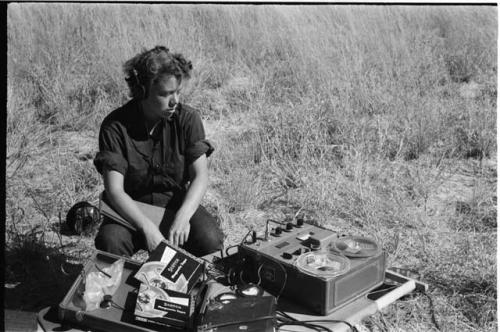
(355,247)
(322,264)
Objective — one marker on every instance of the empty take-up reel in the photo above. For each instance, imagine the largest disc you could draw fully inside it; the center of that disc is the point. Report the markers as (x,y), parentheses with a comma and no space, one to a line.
(355,246)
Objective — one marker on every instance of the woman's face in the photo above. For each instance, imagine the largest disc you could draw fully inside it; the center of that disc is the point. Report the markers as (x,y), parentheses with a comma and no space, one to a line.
(163,96)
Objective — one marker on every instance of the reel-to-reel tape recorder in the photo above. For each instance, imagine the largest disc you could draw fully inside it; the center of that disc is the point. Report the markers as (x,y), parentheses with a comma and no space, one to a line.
(312,265)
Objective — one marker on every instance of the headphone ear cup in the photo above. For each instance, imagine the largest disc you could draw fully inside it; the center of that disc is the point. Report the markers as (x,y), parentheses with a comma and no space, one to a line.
(81,216)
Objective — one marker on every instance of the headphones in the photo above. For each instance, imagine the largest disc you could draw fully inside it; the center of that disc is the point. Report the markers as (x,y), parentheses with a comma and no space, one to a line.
(81,216)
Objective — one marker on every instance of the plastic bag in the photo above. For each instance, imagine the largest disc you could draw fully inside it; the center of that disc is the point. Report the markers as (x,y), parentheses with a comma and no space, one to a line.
(98,284)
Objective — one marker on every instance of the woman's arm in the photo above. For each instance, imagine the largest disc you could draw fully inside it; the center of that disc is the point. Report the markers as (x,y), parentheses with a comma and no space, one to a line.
(179,231)
(126,207)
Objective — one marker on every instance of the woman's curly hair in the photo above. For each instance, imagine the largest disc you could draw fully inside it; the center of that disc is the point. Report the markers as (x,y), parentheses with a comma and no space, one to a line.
(148,66)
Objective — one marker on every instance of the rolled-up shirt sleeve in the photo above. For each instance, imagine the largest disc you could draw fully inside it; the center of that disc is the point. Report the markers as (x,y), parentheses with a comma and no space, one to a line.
(199,148)
(110,155)
(197,144)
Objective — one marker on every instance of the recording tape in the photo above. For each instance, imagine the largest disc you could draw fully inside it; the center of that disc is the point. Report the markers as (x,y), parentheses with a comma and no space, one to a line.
(355,247)
(322,264)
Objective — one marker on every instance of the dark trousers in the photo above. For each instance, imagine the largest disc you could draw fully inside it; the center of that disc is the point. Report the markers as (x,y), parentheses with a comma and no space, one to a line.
(205,235)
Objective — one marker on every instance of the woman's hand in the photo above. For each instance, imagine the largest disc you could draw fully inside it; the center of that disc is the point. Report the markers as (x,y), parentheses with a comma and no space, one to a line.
(126,207)
(179,231)
(153,237)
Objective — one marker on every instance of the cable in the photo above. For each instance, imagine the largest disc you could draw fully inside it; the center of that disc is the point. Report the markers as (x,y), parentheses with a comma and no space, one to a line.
(293,320)
(258,275)
(383,290)
(285,278)
(230,247)
(286,315)
(101,270)
(352,327)
(267,226)
(314,327)
(246,235)
(244,322)
(284,282)
(414,274)
(212,270)
(274,221)
(117,306)
(433,314)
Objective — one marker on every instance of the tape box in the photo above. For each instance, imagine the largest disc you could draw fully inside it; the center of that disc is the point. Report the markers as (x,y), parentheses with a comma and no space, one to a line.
(162,308)
(170,268)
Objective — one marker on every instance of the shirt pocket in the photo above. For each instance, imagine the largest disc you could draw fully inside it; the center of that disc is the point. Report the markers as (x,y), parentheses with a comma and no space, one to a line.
(138,177)
(174,168)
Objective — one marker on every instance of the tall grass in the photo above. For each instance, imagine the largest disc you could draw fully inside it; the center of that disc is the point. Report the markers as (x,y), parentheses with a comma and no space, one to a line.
(354,114)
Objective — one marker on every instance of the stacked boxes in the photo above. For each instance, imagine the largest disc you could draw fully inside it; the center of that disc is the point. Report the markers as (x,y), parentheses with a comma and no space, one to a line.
(167,294)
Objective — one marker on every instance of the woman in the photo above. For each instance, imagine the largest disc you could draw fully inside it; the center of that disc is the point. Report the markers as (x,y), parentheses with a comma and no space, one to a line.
(153,150)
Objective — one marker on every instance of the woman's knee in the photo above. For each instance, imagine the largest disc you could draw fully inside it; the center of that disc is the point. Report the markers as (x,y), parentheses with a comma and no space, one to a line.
(209,243)
(115,239)
(213,240)
(206,236)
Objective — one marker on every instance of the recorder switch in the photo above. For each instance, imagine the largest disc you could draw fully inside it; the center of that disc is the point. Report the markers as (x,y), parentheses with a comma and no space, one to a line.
(315,246)
(300,222)
(287,255)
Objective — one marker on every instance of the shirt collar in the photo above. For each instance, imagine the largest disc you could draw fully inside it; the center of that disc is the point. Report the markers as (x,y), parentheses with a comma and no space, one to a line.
(169,118)
(173,114)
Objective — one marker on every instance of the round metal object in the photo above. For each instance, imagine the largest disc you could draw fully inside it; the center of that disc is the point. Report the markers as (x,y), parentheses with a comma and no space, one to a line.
(322,264)
(81,216)
(355,247)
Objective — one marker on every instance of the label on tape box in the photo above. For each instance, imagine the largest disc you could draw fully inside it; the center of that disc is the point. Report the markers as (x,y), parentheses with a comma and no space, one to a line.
(170,268)
(162,307)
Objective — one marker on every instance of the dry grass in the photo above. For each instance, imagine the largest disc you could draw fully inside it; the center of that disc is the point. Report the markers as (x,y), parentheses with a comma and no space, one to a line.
(372,120)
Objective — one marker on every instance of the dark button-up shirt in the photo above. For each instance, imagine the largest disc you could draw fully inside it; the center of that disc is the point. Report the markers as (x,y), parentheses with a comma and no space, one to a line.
(154,166)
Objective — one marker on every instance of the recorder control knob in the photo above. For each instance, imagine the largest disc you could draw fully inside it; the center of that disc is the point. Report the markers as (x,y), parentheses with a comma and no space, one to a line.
(315,247)
(287,255)
(300,222)
(315,244)
(289,226)
(277,231)
(254,236)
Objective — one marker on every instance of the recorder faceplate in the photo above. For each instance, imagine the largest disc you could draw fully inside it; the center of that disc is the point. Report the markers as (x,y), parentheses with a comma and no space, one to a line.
(302,262)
